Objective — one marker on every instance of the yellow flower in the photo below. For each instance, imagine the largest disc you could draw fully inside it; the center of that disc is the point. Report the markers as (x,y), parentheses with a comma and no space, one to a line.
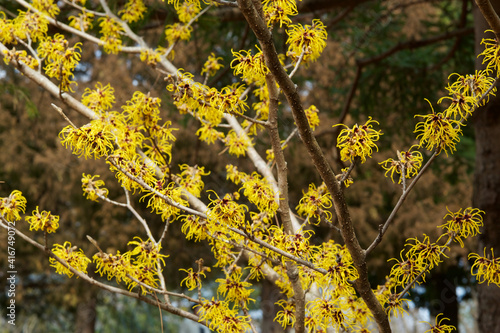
(462,225)
(315,203)
(396,306)
(251,67)
(61,60)
(312,116)
(99,99)
(440,328)
(309,39)
(491,53)
(212,65)
(117,266)
(158,204)
(278,11)
(83,22)
(176,31)
(11,206)
(233,289)
(89,140)
(92,188)
(193,227)
(358,141)
(285,317)
(260,193)
(190,179)
(152,57)
(47,7)
(44,220)
(406,270)
(73,258)
(408,161)
(438,131)
(238,144)
(208,133)
(327,313)
(188,10)
(486,269)
(133,11)
(111,31)
(193,280)
(147,253)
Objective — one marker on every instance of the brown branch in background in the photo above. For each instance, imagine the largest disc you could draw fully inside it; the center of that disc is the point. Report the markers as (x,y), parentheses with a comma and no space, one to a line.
(284,209)
(413,44)
(340,16)
(490,15)
(461,24)
(321,164)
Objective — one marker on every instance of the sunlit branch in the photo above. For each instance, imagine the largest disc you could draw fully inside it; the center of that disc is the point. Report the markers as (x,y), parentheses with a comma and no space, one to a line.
(299,61)
(53,89)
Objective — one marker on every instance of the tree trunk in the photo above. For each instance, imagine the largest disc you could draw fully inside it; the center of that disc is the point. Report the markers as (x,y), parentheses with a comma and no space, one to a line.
(270,295)
(486,196)
(86,314)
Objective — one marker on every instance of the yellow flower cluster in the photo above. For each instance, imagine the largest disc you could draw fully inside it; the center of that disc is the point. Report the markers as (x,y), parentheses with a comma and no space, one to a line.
(27,25)
(44,221)
(491,53)
(222,318)
(83,22)
(99,99)
(47,7)
(190,178)
(440,328)
(13,205)
(91,140)
(235,290)
(92,188)
(188,10)
(111,32)
(315,204)
(22,56)
(193,280)
(252,68)
(177,31)
(60,59)
(73,257)
(308,41)
(133,11)
(158,204)
(256,189)
(278,11)
(194,227)
(461,225)
(407,166)
(486,268)
(421,256)
(142,264)
(357,141)
(438,131)
(212,65)
(152,57)
(441,131)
